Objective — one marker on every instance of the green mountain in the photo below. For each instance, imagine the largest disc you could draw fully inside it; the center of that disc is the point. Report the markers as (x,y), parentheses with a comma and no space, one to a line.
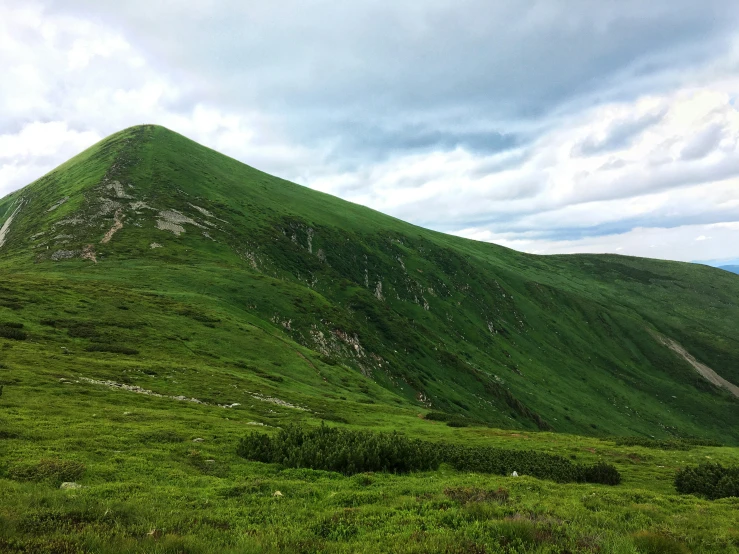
(154,263)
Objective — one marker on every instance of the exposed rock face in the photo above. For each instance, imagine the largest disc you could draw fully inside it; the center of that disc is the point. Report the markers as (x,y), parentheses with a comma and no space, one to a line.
(6,226)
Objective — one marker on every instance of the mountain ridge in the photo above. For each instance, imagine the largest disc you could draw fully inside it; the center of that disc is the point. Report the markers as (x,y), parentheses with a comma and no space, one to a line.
(567,343)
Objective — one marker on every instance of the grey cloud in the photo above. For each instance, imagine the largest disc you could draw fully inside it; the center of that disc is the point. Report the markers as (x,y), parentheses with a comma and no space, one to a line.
(703,144)
(334,70)
(498,164)
(615,163)
(667,177)
(367,142)
(620,135)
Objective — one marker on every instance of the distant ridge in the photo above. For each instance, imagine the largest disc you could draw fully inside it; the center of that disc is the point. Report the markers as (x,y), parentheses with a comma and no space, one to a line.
(731,268)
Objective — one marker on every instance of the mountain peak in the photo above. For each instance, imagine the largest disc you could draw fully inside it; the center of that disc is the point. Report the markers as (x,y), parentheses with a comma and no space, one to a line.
(444,323)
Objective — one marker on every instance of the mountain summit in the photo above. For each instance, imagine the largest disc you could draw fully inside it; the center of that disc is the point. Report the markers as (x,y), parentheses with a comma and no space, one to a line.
(148,254)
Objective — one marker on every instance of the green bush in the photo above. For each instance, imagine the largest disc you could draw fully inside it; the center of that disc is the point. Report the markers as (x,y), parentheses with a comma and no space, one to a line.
(602,473)
(349,452)
(455,420)
(665,444)
(481,459)
(12,332)
(437,416)
(161,436)
(710,480)
(340,450)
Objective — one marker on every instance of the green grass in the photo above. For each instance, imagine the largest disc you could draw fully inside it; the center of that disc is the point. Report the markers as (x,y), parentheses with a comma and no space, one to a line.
(109,370)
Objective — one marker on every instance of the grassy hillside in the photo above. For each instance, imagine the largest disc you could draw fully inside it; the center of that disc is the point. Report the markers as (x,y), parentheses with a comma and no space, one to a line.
(154,291)
(568,343)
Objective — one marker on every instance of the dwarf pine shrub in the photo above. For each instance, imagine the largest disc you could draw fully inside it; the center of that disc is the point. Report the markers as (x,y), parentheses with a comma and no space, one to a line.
(710,480)
(9,331)
(350,452)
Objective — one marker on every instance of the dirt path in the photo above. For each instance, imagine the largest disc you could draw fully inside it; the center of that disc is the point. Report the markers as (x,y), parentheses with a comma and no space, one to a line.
(703,369)
(118,224)
(138,390)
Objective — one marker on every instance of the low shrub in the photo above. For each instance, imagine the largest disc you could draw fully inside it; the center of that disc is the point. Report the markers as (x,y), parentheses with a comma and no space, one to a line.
(349,452)
(455,420)
(12,333)
(602,473)
(340,450)
(161,436)
(11,324)
(710,480)
(437,416)
(83,331)
(665,444)
(52,469)
(466,495)
(482,459)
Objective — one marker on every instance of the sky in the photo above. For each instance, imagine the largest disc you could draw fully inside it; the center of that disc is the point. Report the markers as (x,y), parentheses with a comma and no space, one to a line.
(548,126)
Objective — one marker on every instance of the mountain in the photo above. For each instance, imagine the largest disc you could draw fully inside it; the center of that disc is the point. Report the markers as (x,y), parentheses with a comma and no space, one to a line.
(154,263)
(731,268)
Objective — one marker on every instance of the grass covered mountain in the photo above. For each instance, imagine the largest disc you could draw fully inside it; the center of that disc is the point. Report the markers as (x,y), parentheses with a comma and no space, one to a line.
(160,302)
(148,255)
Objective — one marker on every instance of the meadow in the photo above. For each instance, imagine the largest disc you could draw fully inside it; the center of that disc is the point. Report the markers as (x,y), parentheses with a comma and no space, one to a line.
(160,303)
(162,473)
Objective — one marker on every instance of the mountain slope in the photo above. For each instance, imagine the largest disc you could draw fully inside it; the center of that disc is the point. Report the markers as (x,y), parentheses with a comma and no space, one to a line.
(215,271)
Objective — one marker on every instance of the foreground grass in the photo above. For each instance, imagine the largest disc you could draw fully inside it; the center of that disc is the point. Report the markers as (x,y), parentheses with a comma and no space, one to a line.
(148,487)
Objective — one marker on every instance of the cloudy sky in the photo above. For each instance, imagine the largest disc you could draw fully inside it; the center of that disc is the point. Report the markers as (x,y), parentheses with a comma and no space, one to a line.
(548,126)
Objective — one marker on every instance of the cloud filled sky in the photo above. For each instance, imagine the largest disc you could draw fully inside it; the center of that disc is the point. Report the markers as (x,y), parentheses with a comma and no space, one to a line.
(548,126)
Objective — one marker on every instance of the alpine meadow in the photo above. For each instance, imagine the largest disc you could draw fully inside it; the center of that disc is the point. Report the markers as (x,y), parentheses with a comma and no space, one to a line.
(196,356)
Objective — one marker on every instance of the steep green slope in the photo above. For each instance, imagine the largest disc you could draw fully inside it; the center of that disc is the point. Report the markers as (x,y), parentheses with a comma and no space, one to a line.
(212,270)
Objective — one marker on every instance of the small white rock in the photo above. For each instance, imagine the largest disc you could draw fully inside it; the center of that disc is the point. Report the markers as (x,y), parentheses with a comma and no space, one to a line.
(514,474)
(70,485)
(198,440)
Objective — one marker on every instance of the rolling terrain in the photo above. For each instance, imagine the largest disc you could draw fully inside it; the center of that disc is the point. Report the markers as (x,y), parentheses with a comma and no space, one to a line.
(154,291)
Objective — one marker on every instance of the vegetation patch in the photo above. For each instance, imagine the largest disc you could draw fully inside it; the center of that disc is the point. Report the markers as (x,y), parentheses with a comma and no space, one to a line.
(466,495)
(710,480)
(12,331)
(655,543)
(51,469)
(665,444)
(112,348)
(455,420)
(349,452)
